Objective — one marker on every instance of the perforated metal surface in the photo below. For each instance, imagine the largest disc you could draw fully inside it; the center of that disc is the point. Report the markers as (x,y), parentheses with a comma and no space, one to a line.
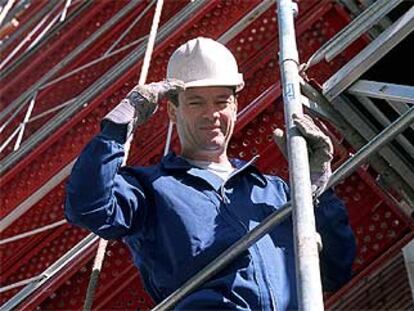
(65,43)
(119,288)
(383,285)
(30,25)
(376,221)
(58,94)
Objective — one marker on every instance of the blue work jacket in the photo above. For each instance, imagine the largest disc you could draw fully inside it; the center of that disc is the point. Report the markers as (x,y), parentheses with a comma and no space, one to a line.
(176,218)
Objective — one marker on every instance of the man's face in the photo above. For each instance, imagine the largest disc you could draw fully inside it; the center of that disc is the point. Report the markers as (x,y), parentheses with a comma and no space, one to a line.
(205,119)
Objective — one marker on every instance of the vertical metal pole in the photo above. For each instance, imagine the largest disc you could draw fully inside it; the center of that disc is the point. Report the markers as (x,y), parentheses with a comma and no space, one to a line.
(169,136)
(308,281)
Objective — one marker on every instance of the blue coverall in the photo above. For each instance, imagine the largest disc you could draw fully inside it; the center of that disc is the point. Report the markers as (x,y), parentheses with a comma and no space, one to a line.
(176,218)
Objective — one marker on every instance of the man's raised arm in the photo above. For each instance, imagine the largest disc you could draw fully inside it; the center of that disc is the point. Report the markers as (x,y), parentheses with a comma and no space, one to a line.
(101,195)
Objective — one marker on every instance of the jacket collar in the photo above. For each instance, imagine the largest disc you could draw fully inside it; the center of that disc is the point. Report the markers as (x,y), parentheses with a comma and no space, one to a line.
(173,162)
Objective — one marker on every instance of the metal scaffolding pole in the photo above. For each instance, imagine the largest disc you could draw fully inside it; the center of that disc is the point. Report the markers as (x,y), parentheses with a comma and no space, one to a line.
(54,269)
(308,279)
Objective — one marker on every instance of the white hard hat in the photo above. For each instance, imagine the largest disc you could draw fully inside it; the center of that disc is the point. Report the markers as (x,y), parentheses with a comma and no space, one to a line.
(204,62)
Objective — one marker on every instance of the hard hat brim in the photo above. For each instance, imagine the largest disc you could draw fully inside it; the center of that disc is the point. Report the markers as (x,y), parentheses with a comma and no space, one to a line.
(237,84)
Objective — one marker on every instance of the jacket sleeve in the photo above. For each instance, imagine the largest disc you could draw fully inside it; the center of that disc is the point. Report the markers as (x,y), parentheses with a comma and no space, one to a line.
(100,195)
(338,241)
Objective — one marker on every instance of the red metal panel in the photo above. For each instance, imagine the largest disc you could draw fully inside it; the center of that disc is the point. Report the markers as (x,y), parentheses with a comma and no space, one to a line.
(57,243)
(57,47)
(75,137)
(49,210)
(59,280)
(254,49)
(377,223)
(273,20)
(22,18)
(118,272)
(370,290)
(95,119)
(58,94)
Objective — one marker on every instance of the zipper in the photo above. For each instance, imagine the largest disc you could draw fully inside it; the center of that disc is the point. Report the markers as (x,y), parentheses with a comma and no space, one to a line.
(227,201)
(266,279)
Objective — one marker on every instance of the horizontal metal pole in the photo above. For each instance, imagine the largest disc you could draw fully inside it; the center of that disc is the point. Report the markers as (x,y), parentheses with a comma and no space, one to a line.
(372,146)
(33,232)
(382,90)
(132,25)
(20,45)
(400,108)
(363,22)
(344,120)
(385,120)
(20,283)
(95,61)
(51,110)
(362,62)
(42,34)
(368,130)
(280,215)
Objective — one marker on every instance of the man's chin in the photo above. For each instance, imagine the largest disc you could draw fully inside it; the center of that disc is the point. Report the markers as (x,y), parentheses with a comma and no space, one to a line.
(213,146)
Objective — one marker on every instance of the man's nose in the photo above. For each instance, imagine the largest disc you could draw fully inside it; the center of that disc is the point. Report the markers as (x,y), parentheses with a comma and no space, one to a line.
(211,111)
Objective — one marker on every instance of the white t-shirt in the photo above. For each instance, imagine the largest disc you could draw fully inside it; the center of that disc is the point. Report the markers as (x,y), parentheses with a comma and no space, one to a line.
(221,170)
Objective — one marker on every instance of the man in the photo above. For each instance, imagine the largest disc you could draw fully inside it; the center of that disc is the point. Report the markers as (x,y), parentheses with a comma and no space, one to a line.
(179,215)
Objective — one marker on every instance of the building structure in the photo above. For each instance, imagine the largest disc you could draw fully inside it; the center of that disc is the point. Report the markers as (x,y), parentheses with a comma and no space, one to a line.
(65,66)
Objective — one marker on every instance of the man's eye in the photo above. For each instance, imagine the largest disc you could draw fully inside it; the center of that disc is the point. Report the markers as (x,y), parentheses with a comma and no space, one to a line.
(223,103)
(194,103)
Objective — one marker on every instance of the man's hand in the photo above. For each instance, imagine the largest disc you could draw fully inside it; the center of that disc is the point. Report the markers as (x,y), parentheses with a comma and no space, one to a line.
(319,146)
(142,102)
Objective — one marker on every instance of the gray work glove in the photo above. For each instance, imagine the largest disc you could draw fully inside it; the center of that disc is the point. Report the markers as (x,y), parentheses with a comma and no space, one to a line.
(142,102)
(320,150)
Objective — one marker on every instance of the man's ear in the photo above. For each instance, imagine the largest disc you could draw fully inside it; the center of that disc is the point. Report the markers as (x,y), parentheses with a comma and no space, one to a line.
(172,111)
